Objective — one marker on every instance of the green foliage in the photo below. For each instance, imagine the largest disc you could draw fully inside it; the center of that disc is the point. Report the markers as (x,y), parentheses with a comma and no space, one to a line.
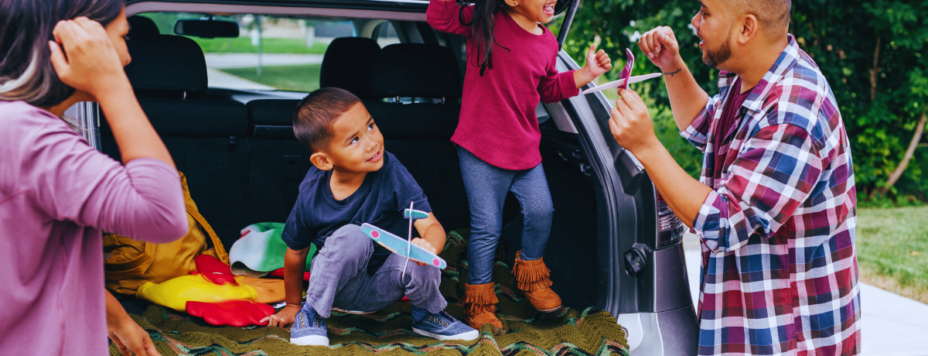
(304,78)
(840,36)
(269,45)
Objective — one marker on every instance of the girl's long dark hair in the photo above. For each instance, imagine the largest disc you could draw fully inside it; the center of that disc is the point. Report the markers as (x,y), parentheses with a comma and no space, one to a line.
(26,71)
(482,26)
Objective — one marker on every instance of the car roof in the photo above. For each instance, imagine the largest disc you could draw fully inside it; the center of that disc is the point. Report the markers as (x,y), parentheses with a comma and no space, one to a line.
(383,5)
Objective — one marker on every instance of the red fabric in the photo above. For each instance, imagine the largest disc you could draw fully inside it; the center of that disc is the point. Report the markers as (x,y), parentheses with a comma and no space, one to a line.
(236,313)
(214,270)
(279,273)
(731,116)
(498,122)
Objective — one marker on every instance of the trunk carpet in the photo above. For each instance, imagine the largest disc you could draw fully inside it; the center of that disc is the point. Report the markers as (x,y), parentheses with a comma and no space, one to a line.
(388,332)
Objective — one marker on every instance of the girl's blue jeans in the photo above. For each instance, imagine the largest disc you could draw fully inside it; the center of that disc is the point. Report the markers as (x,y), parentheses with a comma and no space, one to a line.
(486,187)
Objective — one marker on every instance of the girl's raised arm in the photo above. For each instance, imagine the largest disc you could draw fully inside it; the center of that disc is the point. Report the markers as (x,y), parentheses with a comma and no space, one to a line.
(446,16)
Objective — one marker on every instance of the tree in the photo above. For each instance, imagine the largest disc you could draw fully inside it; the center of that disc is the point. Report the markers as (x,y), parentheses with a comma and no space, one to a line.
(873,53)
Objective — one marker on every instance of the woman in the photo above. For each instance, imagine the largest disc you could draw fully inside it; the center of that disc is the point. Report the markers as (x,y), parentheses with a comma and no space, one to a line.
(57,193)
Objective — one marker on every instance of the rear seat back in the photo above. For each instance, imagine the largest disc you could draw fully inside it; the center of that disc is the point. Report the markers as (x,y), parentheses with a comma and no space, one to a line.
(206,137)
(279,162)
(419,133)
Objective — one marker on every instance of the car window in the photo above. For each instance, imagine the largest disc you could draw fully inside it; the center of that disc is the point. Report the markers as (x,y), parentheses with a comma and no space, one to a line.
(385,34)
(270,53)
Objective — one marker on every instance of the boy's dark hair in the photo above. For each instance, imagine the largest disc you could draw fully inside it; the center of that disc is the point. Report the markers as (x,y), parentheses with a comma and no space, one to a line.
(312,122)
(482,27)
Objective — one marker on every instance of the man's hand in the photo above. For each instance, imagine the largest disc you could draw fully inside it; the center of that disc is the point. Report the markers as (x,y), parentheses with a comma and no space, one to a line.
(597,63)
(284,317)
(631,123)
(426,245)
(660,45)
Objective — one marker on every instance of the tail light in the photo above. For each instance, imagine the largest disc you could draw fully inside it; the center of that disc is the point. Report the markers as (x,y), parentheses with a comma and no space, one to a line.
(669,227)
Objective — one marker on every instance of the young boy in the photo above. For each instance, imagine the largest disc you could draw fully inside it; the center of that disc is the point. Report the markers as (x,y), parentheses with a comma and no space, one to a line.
(355,181)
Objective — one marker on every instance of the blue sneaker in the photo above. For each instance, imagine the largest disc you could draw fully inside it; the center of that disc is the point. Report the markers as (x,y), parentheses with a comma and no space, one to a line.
(442,326)
(309,328)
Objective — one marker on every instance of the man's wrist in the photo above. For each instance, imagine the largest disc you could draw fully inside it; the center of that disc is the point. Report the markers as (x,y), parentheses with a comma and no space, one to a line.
(649,151)
(675,68)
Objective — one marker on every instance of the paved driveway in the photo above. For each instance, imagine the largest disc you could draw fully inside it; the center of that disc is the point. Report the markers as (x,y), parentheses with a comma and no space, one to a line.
(891,325)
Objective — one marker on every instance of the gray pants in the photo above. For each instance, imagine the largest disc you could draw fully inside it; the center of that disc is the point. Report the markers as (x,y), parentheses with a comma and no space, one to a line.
(339,278)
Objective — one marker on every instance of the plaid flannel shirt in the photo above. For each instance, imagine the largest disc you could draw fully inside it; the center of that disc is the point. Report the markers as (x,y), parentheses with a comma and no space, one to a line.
(779,268)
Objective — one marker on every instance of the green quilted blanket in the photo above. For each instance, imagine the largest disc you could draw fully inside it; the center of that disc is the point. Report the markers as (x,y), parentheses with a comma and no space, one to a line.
(527,332)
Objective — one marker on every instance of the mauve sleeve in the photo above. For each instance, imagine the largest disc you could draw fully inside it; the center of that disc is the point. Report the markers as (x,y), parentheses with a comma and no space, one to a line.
(71,181)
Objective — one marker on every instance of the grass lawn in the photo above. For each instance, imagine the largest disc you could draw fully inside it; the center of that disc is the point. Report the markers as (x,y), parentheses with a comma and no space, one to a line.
(296,78)
(892,250)
(270,45)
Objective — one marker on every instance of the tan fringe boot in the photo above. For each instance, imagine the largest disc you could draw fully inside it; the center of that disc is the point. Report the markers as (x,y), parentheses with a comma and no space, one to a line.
(534,280)
(480,306)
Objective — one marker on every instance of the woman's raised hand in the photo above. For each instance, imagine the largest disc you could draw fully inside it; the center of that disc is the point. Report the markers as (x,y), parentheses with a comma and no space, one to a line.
(84,57)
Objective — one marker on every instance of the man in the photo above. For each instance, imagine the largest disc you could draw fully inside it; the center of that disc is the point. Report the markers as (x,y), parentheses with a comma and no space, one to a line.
(775,208)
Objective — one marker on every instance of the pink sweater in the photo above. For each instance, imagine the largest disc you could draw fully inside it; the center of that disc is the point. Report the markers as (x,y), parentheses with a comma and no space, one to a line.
(498,122)
(56,194)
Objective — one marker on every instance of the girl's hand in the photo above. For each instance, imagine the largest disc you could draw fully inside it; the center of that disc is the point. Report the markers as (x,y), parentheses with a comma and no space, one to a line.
(84,57)
(661,47)
(424,244)
(597,62)
(284,317)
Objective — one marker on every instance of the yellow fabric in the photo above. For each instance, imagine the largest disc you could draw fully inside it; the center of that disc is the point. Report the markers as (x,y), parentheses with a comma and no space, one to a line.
(131,263)
(176,292)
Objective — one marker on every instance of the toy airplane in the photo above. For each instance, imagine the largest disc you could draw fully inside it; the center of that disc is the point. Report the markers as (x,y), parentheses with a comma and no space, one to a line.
(403,247)
(625,77)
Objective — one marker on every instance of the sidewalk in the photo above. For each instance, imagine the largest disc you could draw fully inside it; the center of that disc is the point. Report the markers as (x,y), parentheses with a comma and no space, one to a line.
(891,325)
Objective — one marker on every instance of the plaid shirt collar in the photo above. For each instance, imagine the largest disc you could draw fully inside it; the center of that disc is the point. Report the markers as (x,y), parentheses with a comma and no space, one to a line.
(755,100)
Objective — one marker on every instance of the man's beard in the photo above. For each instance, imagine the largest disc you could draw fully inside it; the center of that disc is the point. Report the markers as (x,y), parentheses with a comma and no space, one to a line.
(713,58)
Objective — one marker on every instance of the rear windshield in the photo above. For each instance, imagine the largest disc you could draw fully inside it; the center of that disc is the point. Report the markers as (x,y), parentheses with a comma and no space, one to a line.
(272,52)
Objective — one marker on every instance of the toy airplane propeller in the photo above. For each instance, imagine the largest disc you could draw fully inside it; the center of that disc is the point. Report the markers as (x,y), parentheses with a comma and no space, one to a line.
(625,76)
(405,248)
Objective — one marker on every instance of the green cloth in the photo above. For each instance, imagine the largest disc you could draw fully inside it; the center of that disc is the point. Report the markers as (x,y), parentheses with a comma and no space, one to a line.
(527,332)
(262,248)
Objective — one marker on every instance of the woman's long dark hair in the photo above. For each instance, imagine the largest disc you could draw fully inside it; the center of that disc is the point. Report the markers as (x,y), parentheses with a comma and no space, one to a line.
(26,71)
(482,26)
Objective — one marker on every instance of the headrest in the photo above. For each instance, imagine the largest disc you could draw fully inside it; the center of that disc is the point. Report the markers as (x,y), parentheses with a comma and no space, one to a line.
(166,63)
(416,70)
(142,26)
(347,65)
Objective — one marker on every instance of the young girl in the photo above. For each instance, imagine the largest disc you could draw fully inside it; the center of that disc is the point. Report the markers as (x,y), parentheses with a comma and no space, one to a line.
(511,62)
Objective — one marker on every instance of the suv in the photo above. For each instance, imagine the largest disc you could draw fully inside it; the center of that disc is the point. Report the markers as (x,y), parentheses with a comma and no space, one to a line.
(615,245)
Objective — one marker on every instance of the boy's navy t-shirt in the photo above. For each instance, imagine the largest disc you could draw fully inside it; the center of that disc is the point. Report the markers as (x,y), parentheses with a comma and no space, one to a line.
(380,201)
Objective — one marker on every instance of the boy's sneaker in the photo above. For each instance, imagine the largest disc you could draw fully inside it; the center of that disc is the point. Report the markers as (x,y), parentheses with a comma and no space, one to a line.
(442,326)
(309,328)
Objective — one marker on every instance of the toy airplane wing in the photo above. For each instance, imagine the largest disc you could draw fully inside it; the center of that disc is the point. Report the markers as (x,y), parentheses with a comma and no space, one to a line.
(621,82)
(416,214)
(398,245)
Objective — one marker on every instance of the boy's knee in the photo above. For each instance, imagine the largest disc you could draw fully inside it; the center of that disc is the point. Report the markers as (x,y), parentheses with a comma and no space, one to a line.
(349,238)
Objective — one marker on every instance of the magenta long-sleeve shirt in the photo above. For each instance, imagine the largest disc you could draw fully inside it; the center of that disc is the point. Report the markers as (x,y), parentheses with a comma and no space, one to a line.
(498,122)
(56,194)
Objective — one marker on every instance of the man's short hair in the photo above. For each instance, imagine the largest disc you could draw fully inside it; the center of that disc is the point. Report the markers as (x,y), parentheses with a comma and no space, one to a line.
(773,15)
(312,122)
